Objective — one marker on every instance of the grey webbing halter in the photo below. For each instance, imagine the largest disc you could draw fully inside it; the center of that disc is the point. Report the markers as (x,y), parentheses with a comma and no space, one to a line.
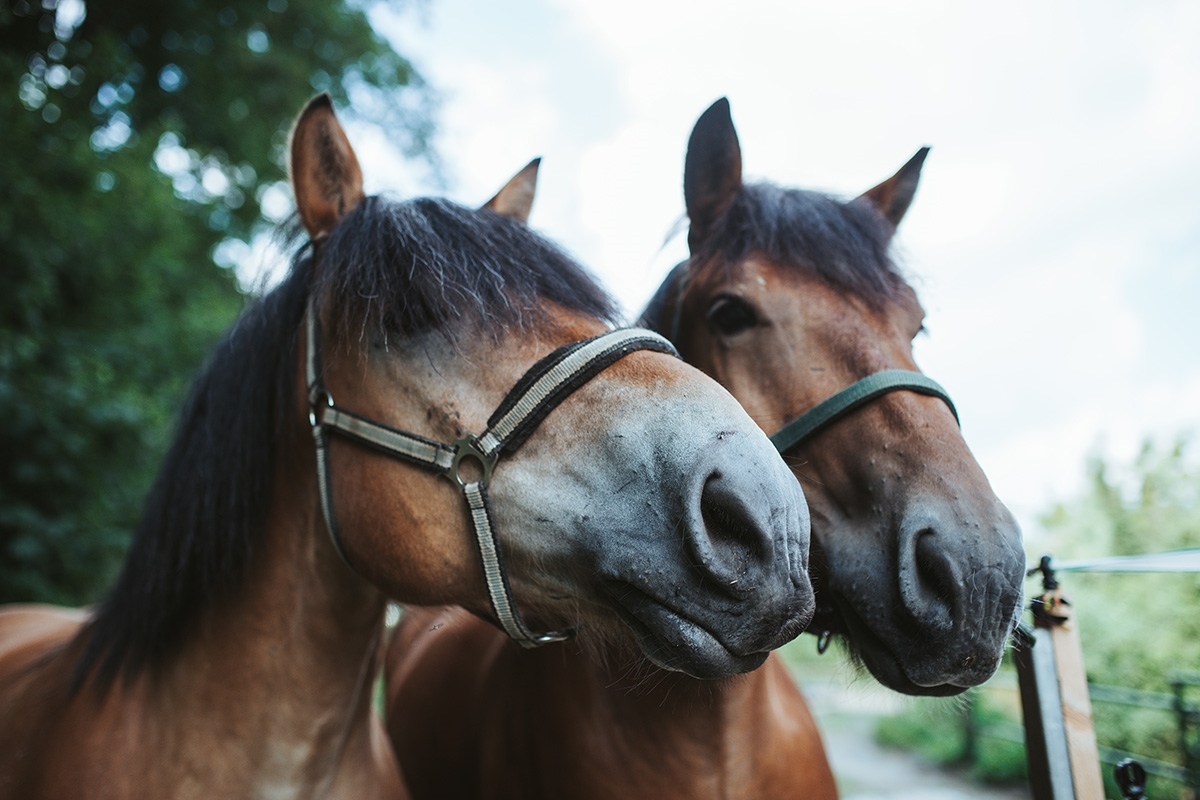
(546,384)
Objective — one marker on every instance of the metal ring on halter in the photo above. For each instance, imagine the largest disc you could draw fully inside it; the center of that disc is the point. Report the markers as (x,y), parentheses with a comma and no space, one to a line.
(468,447)
(314,394)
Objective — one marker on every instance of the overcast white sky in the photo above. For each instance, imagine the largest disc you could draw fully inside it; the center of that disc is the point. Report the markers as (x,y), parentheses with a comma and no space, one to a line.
(1055,239)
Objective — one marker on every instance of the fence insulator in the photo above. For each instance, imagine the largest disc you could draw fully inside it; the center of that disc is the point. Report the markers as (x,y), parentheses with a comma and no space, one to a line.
(1131,777)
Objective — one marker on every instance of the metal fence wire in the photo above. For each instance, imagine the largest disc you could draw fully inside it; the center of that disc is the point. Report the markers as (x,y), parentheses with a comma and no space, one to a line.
(1062,751)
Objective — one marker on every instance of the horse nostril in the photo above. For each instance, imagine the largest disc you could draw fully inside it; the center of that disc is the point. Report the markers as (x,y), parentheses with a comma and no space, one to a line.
(931,590)
(731,541)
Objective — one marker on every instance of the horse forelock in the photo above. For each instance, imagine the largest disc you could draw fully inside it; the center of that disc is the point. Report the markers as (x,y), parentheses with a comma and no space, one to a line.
(405,268)
(844,244)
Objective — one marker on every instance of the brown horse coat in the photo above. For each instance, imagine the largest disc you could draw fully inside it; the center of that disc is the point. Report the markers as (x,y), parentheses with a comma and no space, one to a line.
(472,715)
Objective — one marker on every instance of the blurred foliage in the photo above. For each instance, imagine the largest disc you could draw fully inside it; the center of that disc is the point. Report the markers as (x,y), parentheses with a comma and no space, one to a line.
(1151,507)
(976,732)
(933,728)
(139,137)
(1137,629)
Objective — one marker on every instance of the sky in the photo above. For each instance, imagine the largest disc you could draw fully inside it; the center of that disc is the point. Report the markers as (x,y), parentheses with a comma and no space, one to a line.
(1055,237)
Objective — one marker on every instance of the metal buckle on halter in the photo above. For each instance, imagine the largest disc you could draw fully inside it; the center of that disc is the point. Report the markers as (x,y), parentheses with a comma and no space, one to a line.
(315,393)
(468,447)
(539,639)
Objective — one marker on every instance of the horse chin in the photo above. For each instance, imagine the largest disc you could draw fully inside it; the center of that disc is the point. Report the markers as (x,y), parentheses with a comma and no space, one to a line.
(700,656)
(676,643)
(870,653)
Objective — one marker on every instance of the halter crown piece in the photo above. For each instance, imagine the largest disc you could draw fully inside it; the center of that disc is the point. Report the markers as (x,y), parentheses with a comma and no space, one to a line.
(539,391)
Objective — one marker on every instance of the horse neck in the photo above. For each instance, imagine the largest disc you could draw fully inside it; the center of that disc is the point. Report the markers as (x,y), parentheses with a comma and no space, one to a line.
(654,727)
(283,674)
(658,701)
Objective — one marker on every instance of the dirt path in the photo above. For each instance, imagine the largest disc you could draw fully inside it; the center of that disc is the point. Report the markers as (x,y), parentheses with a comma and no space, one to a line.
(846,710)
(866,771)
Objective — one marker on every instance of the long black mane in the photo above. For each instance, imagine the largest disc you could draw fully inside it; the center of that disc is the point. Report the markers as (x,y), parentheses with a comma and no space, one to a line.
(388,268)
(844,244)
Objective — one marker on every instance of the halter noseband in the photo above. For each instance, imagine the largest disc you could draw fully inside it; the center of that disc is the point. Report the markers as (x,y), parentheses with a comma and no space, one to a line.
(539,391)
(853,396)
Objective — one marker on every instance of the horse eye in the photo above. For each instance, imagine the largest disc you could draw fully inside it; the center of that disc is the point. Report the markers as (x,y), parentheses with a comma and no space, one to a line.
(729,315)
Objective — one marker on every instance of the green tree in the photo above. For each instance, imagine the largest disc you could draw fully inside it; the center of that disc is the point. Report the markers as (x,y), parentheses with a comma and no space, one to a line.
(1137,629)
(1148,507)
(138,137)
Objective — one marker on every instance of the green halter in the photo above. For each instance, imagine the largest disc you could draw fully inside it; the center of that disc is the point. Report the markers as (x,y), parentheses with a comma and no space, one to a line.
(851,398)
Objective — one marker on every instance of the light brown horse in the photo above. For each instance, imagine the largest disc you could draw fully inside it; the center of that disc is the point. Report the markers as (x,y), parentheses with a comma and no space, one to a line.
(235,656)
(789,298)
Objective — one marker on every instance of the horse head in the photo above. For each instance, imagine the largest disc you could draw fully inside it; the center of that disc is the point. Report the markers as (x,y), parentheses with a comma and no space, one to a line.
(790,297)
(635,502)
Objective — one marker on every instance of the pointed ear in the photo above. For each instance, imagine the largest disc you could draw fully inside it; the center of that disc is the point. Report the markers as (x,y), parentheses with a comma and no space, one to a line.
(712,170)
(516,198)
(325,175)
(895,195)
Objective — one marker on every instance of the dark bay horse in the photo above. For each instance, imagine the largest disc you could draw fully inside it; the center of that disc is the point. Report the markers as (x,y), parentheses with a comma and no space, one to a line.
(789,298)
(312,477)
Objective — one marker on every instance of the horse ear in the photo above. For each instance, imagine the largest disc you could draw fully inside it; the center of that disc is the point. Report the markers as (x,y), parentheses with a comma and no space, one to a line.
(326,178)
(516,198)
(895,195)
(712,170)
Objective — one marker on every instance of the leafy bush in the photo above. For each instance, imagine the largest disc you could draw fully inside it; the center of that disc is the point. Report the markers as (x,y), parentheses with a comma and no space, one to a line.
(975,731)
(1137,629)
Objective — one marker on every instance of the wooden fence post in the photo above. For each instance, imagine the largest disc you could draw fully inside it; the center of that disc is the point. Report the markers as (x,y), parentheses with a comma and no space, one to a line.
(1060,742)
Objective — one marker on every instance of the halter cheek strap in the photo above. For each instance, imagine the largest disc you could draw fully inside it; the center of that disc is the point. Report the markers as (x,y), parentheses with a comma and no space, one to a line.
(536,394)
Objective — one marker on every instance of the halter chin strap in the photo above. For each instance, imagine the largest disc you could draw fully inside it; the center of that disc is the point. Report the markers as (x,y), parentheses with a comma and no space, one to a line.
(536,394)
(853,396)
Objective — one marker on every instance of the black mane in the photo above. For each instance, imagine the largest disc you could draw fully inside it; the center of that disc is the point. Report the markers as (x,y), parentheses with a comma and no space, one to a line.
(844,244)
(395,268)
(406,268)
